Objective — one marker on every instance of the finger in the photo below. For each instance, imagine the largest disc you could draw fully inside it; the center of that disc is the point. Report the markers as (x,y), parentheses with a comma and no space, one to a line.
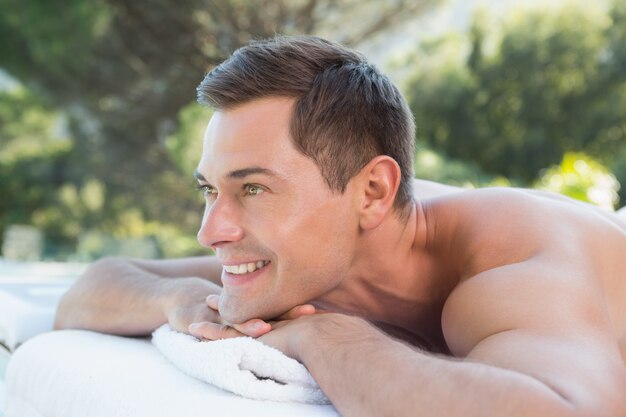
(213,301)
(212,331)
(253,328)
(298,311)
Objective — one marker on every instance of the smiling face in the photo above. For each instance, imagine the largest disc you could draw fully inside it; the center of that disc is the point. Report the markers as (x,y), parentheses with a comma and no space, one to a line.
(283,236)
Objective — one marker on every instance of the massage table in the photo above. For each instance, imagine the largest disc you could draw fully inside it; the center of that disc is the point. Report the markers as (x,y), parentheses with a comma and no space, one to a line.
(73,373)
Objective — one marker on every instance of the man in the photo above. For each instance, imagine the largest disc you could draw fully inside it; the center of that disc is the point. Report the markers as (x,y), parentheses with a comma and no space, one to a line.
(400,297)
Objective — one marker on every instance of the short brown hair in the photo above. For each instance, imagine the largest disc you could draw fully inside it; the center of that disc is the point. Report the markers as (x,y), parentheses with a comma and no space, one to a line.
(346,112)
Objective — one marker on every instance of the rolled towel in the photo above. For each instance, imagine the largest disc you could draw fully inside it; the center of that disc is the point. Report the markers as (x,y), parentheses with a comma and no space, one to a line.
(241,365)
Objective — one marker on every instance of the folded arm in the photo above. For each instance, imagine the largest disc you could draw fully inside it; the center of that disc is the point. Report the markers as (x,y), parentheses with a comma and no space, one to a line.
(525,344)
(134,297)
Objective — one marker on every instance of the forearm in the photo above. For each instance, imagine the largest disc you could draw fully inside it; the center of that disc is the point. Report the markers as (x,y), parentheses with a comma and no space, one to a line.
(116,296)
(365,373)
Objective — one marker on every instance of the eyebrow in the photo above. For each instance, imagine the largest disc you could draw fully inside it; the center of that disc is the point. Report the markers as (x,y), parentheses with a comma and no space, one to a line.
(242,173)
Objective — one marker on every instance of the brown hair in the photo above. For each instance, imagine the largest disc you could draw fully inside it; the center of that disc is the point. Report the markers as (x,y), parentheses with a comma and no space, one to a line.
(346,112)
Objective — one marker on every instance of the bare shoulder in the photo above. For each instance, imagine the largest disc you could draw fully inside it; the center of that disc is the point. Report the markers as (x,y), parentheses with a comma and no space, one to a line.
(492,227)
(542,295)
(504,201)
(539,294)
(546,320)
(539,267)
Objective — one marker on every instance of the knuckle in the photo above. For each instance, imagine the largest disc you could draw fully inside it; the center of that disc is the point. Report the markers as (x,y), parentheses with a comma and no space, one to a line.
(223,331)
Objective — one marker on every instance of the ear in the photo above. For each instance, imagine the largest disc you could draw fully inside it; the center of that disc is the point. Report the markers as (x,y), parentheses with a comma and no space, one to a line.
(380,180)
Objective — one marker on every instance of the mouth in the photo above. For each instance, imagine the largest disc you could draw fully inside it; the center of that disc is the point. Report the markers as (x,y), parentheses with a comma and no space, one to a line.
(245,268)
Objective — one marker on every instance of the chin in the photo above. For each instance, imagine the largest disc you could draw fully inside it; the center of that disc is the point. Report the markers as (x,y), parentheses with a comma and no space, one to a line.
(239,312)
(234,316)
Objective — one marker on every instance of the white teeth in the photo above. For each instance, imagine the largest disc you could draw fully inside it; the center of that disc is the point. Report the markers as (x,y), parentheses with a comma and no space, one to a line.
(245,268)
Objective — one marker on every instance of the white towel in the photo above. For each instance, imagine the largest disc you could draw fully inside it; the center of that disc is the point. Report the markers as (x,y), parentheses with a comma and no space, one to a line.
(241,365)
(76,373)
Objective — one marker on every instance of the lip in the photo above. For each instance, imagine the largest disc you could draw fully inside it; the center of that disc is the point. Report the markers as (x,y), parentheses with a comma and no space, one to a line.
(230,263)
(233,280)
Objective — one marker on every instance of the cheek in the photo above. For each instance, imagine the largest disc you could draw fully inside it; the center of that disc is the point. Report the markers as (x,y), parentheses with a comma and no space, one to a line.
(323,220)
(314,237)
(310,236)
(318,253)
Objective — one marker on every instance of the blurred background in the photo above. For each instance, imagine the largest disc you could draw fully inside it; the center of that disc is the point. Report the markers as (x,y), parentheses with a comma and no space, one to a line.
(100,133)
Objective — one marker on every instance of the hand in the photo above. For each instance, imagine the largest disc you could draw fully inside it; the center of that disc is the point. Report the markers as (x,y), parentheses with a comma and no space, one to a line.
(218,329)
(292,336)
(193,306)
(186,303)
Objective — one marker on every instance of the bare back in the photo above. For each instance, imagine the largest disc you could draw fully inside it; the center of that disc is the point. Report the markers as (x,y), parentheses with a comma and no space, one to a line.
(499,227)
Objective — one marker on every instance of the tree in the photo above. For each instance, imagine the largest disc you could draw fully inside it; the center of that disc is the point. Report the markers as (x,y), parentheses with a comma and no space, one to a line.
(582,178)
(124,70)
(550,83)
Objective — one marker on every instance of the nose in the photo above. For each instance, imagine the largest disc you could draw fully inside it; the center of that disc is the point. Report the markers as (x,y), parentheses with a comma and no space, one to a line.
(220,225)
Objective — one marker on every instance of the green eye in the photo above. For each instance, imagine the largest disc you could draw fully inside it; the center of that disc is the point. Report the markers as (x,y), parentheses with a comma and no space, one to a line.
(253,189)
(207,190)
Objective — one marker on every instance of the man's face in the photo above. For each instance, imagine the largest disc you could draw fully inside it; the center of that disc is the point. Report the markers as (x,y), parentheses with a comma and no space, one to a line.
(283,236)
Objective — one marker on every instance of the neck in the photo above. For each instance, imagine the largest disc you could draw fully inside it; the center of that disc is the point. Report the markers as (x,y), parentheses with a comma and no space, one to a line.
(394,279)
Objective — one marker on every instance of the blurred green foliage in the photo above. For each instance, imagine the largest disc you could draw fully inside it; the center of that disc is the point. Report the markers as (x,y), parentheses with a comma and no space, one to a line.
(541,84)
(185,144)
(433,166)
(31,158)
(99,141)
(36,37)
(582,178)
(81,220)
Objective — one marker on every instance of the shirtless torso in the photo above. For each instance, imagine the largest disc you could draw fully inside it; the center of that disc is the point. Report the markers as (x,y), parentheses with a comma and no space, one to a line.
(585,245)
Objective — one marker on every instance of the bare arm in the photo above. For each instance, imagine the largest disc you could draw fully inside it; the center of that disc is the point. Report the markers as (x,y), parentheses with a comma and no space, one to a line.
(525,347)
(134,297)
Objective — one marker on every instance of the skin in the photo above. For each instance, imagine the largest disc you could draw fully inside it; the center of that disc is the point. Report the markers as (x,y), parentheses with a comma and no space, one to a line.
(512,302)
(244,208)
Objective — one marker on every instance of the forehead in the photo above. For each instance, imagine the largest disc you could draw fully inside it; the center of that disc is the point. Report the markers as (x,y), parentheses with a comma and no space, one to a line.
(253,134)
